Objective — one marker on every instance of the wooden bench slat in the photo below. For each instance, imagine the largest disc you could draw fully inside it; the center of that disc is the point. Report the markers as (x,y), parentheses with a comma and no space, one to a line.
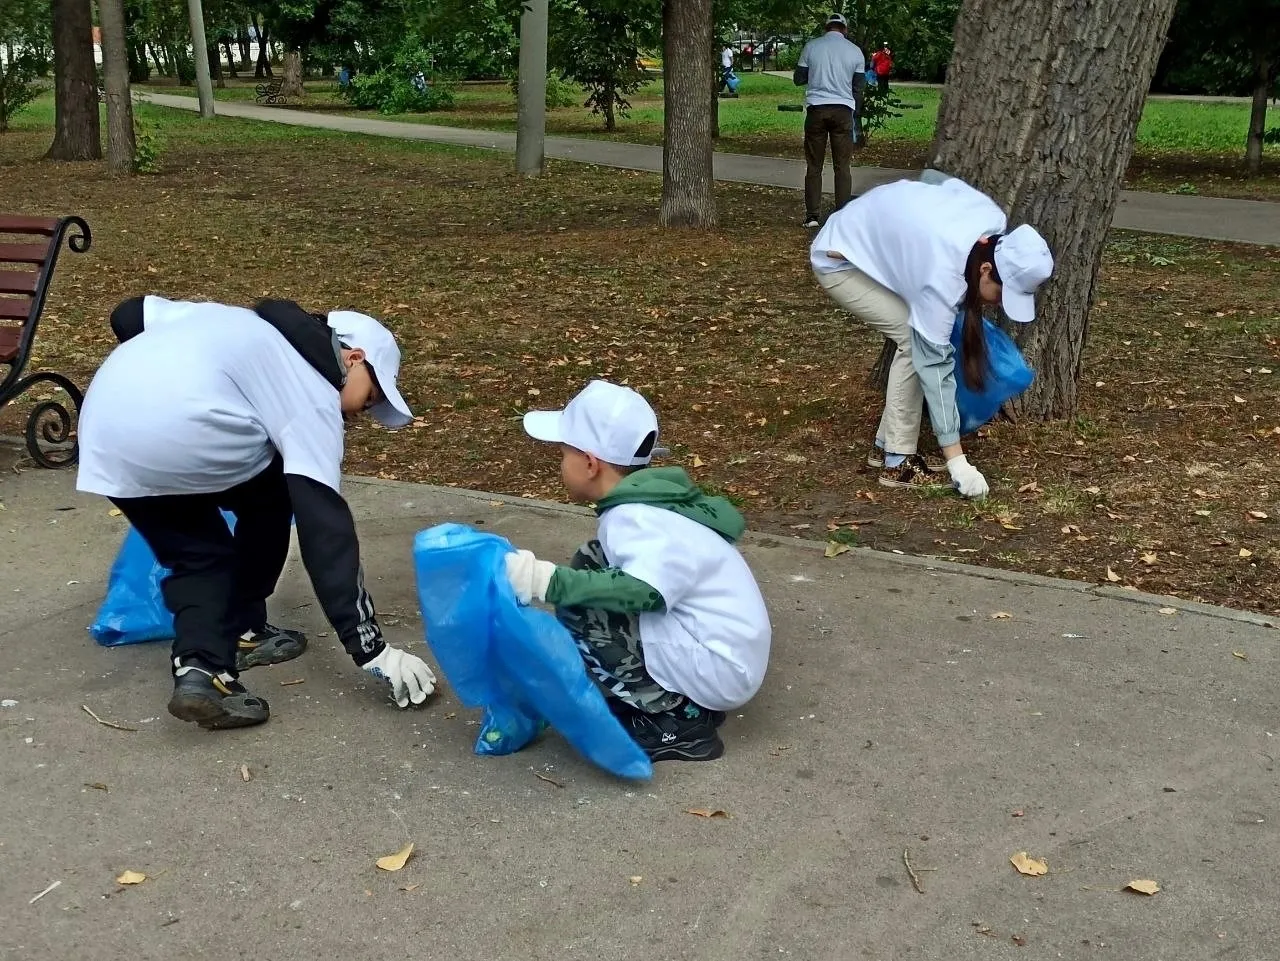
(15,308)
(15,224)
(19,282)
(24,253)
(9,337)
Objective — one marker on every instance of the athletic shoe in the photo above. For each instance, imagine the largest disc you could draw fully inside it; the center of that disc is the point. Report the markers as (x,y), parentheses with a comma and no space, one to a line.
(268,645)
(686,734)
(932,463)
(913,473)
(811,221)
(211,699)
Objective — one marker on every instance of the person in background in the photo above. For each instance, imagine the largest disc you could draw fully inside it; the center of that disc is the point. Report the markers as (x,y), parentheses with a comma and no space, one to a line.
(906,258)
(832,71)
(726,69)
(882,64)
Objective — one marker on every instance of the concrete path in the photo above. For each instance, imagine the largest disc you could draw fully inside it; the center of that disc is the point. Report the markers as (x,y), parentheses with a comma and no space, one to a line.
(1243,221)
(1085,727)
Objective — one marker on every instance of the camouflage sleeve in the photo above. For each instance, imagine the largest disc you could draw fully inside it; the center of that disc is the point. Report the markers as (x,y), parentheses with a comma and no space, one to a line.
(611,589)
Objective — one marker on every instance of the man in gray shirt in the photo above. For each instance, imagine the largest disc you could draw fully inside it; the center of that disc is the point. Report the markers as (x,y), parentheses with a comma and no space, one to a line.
(832,70)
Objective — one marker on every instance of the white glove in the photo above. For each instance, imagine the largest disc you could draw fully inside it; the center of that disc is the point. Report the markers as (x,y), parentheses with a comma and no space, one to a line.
(968,480)
(529,576)
(411,679)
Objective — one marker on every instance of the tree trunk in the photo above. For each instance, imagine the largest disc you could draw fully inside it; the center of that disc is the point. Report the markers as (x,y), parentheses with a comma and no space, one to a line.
(115,78)
(162,67)
(292,86)
(215,65)
(1258,116)
(610,120)
(263,67)
(77,129)
(243,41)
(231,56)
(688,187)
(1049,140)
(715,104)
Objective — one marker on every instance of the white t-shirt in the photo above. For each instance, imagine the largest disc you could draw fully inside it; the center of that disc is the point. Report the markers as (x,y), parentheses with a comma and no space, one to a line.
(201,401)
(913,238)
(833,61)
(712,641)
(726,58)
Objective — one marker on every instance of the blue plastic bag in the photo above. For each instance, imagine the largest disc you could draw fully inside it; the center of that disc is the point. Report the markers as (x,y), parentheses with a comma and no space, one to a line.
(733,81)
(133,611)
(518,663)
(1007,376)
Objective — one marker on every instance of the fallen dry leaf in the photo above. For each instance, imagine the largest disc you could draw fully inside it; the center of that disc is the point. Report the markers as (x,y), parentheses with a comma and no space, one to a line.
(1112,576)
(244,773)
(1019,813)
(411,887)
(96,785)
(1240,654)
(1018,939)
(1258,515)
(114,512)
(394,862)
(697,461)
(1149,559)
(1142,887)
(707,812)
(1001,616)
(1203,513)
(1028,865)
(835,549)
(1029,487)
(636,878)
(131,877)
(1168,610)
(1245,552)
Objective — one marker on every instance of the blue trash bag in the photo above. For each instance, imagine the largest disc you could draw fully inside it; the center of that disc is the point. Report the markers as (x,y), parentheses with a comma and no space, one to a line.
(1007,376)
(133,611)
(733,81)
(873,79)
(518,663)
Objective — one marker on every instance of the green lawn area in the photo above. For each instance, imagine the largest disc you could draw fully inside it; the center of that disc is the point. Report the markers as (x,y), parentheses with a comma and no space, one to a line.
(1181,146)
(507,293)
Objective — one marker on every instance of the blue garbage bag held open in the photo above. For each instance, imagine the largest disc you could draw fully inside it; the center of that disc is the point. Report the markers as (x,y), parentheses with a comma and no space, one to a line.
(133,611)
(518,663)
(1007,376)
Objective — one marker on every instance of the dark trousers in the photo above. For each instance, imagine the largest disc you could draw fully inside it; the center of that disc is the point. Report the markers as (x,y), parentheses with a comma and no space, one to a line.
(822,123)
(220,581)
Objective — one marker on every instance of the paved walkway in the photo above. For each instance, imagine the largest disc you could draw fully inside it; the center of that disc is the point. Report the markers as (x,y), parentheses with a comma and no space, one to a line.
(1083,726)
(1243,221)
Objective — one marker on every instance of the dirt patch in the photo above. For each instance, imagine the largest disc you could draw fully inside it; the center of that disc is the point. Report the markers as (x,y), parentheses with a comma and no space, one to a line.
(508,294)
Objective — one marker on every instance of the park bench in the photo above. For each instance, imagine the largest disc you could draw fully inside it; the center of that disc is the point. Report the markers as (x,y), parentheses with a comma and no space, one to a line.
(269,93)
(26,267)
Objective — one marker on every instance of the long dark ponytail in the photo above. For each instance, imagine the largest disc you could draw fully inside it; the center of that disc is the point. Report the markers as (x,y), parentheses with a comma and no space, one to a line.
(972,336)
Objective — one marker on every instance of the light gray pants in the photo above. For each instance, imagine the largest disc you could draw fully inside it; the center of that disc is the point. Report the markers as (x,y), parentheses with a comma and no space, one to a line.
(884,311)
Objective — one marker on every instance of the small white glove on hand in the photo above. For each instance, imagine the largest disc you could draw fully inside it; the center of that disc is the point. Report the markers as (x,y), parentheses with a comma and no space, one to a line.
(968,480)
(411,679)
(529,576)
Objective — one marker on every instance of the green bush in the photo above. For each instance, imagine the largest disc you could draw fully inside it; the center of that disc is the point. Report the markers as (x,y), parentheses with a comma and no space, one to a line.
(147,146)
(392,90)
(788,56)
(560,92)
(18,87)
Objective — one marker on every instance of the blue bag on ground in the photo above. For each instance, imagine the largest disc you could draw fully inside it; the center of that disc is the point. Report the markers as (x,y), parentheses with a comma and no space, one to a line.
(518,663)
(1007,376)
(133,611)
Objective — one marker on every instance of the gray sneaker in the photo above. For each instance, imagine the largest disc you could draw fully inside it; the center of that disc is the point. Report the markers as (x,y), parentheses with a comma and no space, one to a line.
(214,700)
(268,645)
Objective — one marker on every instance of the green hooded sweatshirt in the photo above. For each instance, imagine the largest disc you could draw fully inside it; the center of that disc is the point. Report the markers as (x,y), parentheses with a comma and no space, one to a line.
(612,589)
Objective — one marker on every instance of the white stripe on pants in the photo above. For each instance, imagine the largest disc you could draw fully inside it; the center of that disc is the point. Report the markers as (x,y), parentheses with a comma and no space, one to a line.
(884,311)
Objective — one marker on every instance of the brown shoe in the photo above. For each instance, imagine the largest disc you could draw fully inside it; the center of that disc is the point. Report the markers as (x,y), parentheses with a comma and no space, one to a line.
(913,473)
(932,463)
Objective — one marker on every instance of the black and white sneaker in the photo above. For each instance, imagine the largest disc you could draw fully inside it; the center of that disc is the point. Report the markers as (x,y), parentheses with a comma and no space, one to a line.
(214,700)
(268,645)
(811,221)
(686,734)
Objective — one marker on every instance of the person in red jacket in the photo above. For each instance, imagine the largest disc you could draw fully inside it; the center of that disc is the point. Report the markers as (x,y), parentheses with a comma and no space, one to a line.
(882,64)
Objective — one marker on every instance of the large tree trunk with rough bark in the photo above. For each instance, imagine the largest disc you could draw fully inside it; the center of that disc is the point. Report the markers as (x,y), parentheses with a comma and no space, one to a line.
(292,86)
(1040,109)
(688,194)
(77,131)
(1263,68)
(115,79)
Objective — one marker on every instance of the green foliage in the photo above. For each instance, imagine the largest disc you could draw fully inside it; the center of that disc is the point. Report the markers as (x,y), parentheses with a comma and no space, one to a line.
(19,86)
(391,89)
(560,92)
(879,106)
(598,47)
(148,145)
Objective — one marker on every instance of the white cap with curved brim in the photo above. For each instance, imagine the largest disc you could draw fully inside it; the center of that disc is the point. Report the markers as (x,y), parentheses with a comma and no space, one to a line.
(837,18)
(612,422)
(382,354)
(1024,262)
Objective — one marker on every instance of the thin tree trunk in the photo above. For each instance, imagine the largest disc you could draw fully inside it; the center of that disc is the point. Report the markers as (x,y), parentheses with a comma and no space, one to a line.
(243,40)
(231,56)
(688,188)
(215,65)
(77,128)
(115,77)
(1258,115)
(263,67)
(161,67)
(610,121)
(715,104)
(292,86)
(1049,142)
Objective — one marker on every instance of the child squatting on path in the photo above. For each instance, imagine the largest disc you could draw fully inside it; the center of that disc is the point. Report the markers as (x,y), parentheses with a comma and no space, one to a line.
(665,611)
(905,258)
(205,406)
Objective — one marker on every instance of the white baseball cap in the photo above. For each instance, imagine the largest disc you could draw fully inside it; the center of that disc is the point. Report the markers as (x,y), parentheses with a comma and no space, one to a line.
(612,422)
(382,354)
(1023,262)
(837,18)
